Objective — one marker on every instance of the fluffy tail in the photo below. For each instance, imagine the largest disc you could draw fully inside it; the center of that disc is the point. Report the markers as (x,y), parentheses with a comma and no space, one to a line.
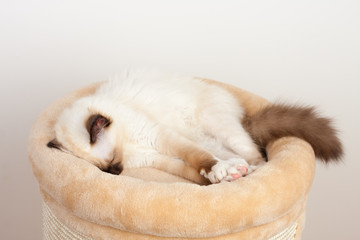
(279,120)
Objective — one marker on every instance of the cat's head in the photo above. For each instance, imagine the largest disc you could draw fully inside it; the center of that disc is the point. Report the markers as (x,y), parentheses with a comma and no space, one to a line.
(89,134)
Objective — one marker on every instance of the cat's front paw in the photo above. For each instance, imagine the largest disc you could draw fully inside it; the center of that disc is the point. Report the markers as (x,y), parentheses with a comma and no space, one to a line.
(229,170)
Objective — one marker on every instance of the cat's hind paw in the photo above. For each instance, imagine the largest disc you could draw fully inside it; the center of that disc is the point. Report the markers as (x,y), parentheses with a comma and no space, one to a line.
(229,170)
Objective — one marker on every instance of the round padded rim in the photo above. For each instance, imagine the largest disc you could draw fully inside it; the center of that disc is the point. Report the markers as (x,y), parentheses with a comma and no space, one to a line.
(171,209)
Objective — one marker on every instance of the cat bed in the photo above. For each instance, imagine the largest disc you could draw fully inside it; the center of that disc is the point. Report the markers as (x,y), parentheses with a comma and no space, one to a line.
(82,202)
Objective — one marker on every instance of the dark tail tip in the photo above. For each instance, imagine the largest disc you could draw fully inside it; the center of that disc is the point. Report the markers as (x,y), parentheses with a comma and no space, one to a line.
(327,145)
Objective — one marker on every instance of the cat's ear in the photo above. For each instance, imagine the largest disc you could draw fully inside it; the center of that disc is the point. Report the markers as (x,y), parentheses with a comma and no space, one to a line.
(95,125)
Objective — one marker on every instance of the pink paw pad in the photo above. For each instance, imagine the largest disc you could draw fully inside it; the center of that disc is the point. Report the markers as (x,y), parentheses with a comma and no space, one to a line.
(243,170)
(236,176)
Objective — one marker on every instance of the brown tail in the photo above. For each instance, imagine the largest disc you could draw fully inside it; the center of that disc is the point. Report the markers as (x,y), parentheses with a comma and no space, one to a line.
(280,120)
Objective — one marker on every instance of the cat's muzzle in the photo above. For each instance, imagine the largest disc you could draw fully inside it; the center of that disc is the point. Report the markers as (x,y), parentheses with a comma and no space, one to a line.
(115,168)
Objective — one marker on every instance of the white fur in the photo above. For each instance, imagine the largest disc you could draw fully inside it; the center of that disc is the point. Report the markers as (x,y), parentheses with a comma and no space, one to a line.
(141,103)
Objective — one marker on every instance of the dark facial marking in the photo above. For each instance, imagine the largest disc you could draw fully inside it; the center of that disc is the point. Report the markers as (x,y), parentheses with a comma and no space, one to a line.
(95,124)
(115,169)
(54,144)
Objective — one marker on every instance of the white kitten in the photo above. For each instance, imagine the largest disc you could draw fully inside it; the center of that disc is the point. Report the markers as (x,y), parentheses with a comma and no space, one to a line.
(182,125)
(145,118)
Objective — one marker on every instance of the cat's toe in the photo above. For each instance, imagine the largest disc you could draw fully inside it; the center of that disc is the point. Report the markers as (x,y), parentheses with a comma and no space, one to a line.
(219,171)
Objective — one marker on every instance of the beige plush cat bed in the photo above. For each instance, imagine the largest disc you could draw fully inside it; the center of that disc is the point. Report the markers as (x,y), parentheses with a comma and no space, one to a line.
(82,202)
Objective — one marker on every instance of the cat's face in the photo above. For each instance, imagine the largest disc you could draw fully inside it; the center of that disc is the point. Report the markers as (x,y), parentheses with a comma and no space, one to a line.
(89,135)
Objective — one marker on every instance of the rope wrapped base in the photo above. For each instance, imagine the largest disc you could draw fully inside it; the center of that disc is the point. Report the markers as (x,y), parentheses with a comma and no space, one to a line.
(288,233)
(54,229)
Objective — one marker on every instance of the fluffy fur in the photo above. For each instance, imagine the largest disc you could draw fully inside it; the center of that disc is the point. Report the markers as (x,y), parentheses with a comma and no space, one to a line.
(152,119)
(281,120)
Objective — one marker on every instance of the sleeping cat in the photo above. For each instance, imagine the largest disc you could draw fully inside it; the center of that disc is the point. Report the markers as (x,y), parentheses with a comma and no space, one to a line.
(182,125)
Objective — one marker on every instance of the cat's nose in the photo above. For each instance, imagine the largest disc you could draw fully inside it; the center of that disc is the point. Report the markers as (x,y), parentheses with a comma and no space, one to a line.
(115,168)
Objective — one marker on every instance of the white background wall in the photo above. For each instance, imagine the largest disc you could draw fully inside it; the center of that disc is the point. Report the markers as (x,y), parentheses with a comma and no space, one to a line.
(298,51)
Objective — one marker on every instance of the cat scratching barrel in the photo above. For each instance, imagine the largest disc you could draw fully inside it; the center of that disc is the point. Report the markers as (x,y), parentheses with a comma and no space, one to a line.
(82,202)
